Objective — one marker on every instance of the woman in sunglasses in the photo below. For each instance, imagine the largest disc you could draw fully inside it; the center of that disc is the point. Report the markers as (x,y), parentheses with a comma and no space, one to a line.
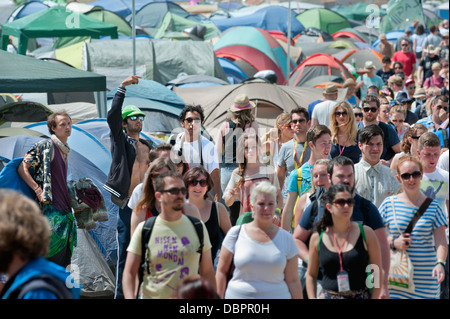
(213,214)
(397,116)
(426,244)
(344,132)
(343,249)
(409,142)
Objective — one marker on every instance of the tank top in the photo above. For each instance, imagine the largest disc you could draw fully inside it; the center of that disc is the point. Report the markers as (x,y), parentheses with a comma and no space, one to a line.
(354,262)
(60,192)
(213,227)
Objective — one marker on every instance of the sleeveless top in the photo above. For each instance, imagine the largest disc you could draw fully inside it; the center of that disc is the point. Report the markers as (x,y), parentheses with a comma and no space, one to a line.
(60,191)
(354,262)
(212,225)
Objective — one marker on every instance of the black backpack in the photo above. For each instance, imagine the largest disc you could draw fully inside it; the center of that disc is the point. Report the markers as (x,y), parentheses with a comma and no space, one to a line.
(46,282)
(145,238)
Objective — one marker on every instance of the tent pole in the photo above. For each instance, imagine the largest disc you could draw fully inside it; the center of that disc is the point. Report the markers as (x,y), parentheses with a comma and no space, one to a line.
(134,36)
(100,99)
(288,60)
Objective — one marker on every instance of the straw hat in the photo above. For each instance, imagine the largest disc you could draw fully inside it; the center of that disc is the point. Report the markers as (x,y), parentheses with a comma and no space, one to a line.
(330,89)
(419,93)
(430,49)
(368,66)
(242,103)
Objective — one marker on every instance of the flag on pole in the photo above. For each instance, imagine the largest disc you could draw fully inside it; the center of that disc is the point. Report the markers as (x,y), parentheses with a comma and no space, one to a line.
(401,13)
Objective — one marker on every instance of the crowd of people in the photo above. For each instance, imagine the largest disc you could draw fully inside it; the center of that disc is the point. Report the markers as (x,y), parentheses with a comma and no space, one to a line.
(301,211)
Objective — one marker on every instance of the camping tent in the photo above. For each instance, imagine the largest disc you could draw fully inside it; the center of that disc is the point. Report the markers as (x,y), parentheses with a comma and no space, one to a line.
(319,68)
(358,57)
(54,22)
(357,11)
(167,19)
(47,77)
(323,19)
(158,60)
(271,100)
(257,48)
(161,105)
(26,9)
(270,18)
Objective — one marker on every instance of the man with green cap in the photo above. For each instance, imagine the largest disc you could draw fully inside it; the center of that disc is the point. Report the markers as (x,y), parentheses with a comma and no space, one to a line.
(128,166)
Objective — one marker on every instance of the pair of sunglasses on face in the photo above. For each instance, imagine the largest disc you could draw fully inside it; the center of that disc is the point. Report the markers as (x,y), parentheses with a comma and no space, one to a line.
(134,118)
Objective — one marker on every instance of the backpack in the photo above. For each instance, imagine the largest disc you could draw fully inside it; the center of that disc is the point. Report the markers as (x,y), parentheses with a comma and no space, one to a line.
(46,282)
(145,238)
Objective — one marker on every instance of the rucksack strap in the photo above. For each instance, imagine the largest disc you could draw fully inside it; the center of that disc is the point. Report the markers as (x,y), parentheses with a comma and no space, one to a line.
(42,282)
(199,230)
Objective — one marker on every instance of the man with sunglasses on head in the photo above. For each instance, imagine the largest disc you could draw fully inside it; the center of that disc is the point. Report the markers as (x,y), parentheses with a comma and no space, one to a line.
(194,148)
(435,182)
(391,142)
(173,248)
(128,166)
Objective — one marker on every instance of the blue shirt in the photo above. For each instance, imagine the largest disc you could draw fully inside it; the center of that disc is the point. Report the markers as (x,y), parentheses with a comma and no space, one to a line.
(374,219)
(305,185)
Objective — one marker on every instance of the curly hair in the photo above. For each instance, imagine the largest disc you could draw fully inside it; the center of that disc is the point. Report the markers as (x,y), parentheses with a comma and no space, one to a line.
(24,231)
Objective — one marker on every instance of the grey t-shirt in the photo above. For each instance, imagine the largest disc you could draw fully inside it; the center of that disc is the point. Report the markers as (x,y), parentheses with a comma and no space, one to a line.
(286,155)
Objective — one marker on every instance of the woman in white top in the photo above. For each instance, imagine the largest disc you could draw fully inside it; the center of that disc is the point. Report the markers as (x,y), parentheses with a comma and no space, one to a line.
(264,255)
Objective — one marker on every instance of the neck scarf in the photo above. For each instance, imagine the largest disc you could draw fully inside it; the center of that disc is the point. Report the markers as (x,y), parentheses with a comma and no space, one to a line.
(63,147)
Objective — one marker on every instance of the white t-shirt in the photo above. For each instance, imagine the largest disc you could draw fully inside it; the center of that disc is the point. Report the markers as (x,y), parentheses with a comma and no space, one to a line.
(443,161)
(322,112)
(135,196)
(259,267)
(191,152)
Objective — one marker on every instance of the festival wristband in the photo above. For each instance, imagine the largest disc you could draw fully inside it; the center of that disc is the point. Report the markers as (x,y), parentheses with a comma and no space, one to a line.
(278,212)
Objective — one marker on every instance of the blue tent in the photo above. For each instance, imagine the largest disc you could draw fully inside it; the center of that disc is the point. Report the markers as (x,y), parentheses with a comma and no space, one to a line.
(85,144)
(161,105)
(270,18)
(14,147)
(391,36)
(121,7)
(234,73)
(26,9)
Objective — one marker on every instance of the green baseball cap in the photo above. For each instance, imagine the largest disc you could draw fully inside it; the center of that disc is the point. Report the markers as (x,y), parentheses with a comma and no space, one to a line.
(131,110)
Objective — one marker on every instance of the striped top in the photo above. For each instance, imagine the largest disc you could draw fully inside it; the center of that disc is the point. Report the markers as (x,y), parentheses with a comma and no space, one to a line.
(421,250)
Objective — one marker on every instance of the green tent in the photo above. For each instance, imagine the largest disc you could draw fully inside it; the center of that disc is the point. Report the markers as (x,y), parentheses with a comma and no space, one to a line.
(323,19)
(123,27)
(22,74)
(57,21)
(357,11)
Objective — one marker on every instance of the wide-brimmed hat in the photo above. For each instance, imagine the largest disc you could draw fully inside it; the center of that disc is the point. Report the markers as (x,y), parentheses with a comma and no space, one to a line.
(330,89)
(419,92)
(131,110)
(242,103)
(430,49)
(368,66)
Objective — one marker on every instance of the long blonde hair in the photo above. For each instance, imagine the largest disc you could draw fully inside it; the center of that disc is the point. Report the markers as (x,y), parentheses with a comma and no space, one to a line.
(148,193)
(350,126)
(242,161)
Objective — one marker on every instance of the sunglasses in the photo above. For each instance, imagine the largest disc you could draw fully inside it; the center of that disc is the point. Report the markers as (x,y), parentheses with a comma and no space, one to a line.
(410,87)
(399,121)
(201,182)
(371,109)
(407,176)
(190,120)
(398,68)
(298,121)
(175,191)
(358,114)
(340,113)
(442,107)
(341,202)
(405,45)
(134,118)
(415,137)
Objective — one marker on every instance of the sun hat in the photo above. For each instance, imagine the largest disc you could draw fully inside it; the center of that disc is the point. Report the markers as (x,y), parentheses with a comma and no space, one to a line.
(430,49)
(242,103)
(131,110)
(369,66)
(330,89)
(419,93)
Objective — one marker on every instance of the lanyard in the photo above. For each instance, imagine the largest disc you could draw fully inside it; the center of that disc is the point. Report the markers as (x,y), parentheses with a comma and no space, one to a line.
(339,145)
(297,161)
(342,247)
